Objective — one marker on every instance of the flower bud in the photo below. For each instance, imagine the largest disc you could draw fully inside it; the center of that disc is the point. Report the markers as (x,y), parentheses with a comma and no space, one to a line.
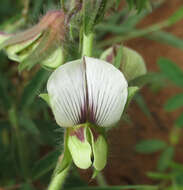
(39,44)
(132,64)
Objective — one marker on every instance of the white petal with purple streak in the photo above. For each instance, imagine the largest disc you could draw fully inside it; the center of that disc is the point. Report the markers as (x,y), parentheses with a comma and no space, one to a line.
(87,90)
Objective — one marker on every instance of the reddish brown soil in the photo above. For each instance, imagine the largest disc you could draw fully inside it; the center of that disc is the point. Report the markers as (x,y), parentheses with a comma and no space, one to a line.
(125,166)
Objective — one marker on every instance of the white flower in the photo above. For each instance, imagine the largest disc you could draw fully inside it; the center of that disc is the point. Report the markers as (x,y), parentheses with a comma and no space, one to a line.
(87,90)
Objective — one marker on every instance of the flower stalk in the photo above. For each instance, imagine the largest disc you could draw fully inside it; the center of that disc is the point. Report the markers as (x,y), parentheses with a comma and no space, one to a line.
(59,179)
(87,44)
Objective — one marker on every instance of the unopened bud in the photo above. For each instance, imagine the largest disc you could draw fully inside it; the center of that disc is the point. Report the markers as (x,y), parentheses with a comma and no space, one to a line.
(40,44)
(132,64)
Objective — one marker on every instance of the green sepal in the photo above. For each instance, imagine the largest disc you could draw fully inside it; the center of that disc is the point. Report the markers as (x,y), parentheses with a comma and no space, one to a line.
(66,159)
(80,149)
(46,98)
(132,90)
(100,149)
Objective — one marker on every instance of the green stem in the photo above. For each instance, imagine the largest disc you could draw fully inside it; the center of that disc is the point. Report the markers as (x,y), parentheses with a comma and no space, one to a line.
(62,167)
(58,180)
(87,44)
(101,180)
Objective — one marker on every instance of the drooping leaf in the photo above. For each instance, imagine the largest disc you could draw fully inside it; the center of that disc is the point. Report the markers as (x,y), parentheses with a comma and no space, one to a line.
(150,146)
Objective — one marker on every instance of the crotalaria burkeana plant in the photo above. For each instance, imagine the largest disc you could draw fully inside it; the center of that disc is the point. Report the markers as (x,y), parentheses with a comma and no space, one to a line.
(88,95)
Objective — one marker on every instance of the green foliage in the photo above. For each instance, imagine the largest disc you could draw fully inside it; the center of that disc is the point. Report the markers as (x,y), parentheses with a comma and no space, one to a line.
(171,71)
(165,158)
(28,133)
(177,16)
(150,146)
(44,165)
(167,38)
(138,4)
(33,88)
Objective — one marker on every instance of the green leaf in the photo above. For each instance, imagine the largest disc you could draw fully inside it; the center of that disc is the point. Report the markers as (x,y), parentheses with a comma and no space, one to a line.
(174,103)
(129,187)
(165,158)
(167,38)
(44,165)
(33,88)
(171,71)
(150,146)
(177,16)
(29,125)
(139,99)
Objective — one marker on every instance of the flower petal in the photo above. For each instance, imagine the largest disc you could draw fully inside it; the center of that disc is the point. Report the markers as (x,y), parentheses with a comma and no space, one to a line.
(66,89)
(88,90)
(107,91)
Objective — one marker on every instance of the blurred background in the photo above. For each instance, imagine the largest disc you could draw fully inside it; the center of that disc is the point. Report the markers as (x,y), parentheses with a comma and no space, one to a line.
(146,148)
